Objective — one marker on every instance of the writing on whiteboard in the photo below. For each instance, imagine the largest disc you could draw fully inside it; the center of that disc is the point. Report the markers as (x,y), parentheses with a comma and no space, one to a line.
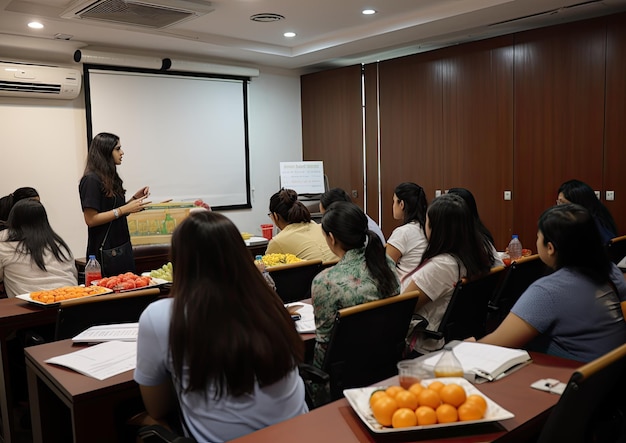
(303,177)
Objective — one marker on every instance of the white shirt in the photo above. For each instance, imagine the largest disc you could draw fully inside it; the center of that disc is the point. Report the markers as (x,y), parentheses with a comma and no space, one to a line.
(411,241)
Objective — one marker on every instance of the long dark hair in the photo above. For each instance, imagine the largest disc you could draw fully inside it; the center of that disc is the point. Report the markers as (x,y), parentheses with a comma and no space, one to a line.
(348,224)
(582,194)
(466,195)
(29,226)
(100,161)
(454,232)
(286,204)
(228,327)
(7,202)
(575,237)
(415,202)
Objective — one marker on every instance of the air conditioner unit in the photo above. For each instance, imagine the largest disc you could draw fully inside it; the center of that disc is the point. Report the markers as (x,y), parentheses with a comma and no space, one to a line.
(24,80)
(147,13)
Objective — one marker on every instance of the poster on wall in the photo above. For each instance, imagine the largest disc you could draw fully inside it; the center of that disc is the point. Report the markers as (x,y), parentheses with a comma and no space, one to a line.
(305,178)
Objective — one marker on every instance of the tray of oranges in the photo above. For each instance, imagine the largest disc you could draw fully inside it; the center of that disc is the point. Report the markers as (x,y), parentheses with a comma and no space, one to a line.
(429,404)
(54,297)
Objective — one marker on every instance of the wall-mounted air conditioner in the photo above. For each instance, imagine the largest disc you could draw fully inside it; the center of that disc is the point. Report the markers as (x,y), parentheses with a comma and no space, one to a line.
(147,13)
(24,80)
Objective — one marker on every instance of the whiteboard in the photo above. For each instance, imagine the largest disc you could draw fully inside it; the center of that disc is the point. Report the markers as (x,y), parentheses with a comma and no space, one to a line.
(185,136)
(303,177)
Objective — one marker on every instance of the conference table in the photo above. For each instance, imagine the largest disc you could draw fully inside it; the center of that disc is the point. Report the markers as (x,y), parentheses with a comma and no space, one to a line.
(19,315)
(66,404)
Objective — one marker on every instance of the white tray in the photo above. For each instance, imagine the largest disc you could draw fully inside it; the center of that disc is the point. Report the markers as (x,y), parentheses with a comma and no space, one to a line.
(26,297)
(359,400)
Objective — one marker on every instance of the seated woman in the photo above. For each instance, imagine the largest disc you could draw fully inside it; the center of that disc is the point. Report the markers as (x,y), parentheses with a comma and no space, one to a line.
(223,343)
(32,256)
(364,273)
(339,195)
(466,195)
(408,242)
(455,250)
(580,193)
(8,201)
(574,312)
(298,235)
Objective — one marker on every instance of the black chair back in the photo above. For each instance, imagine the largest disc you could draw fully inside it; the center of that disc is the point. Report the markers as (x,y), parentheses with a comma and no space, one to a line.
(519,276)
(591,409)
(617,249)
(121,308)
(466,315)
(293,280)
(367,341)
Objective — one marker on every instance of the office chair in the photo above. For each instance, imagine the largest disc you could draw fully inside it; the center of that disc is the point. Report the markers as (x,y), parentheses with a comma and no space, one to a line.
(293,280)
(519,276)
(592,407)
(365,345)
(160,434)
(616,249)
(466,314)
(108,309)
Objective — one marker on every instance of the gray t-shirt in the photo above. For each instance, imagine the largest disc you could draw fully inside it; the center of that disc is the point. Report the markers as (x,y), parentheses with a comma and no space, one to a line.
(576,317)
(211,420)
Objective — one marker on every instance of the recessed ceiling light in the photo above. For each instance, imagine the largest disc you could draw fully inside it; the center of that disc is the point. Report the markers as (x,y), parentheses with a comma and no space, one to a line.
(35,25)
(368,11)
(289,34)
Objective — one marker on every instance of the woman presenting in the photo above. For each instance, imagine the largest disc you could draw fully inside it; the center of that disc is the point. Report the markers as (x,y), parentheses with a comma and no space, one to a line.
(104,205)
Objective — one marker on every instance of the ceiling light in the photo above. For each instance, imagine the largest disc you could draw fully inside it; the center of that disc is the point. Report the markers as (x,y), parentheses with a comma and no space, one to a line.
(35,25)
(289,34)
(368,11)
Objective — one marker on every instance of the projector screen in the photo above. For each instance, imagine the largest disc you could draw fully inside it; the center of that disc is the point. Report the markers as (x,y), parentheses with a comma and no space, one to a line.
(184,135)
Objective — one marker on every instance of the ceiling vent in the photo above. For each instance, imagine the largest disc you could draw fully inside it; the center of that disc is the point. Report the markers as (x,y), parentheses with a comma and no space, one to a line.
(147,13)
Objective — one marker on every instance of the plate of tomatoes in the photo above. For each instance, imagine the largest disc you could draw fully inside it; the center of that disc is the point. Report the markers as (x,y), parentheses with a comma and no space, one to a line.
(128,282)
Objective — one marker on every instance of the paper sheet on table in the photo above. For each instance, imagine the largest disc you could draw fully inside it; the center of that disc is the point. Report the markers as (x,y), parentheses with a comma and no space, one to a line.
(306,324)
(100,361)
(104,333)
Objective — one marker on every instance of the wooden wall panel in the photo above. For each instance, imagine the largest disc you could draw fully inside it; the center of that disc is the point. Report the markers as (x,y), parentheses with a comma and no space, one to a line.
(478,128)
(559,116)
(410,127)
(615,129)
(332,126)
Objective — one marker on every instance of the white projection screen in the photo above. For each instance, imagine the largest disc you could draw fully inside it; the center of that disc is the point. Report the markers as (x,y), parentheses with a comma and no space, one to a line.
(184,135)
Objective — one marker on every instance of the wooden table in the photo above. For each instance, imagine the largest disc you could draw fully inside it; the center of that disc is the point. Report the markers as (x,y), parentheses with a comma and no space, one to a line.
(16,315)
(67,406)
(337,422)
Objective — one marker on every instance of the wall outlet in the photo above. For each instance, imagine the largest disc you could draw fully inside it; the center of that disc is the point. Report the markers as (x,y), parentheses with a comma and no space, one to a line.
(507,195)
(597,194)
(610,195)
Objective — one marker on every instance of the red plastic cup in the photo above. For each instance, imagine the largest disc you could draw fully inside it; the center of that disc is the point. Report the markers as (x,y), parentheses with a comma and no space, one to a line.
(267,231)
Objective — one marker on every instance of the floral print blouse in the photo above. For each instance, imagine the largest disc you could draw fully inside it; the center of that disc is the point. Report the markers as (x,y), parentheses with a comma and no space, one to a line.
(346,284)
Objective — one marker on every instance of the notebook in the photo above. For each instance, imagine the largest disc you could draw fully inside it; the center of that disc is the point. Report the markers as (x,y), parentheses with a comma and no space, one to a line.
(482,361)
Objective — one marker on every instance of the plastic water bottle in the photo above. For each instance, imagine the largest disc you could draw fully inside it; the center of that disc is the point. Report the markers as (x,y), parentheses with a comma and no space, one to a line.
(92,270)
(515,248)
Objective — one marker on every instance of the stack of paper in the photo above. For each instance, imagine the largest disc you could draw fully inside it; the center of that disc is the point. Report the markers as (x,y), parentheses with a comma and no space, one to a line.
(104,333)
(100,361)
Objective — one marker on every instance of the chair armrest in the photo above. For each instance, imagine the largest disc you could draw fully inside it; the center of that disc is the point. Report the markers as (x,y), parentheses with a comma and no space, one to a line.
(313,373)
(160,434)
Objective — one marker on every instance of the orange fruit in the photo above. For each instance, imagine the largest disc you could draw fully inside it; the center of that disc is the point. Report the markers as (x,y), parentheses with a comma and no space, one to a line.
(453,394)
(407,399)
(393,390)
(403,418)
(425,416)
(469,411)
(428,397)
(383,410)
(446,414)
(478,400)
(416,388)
(376,395)
(436,386)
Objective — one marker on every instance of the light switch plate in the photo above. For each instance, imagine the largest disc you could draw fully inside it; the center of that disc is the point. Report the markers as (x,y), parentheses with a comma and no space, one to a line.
(507,195)
(610,195)
(437,192)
